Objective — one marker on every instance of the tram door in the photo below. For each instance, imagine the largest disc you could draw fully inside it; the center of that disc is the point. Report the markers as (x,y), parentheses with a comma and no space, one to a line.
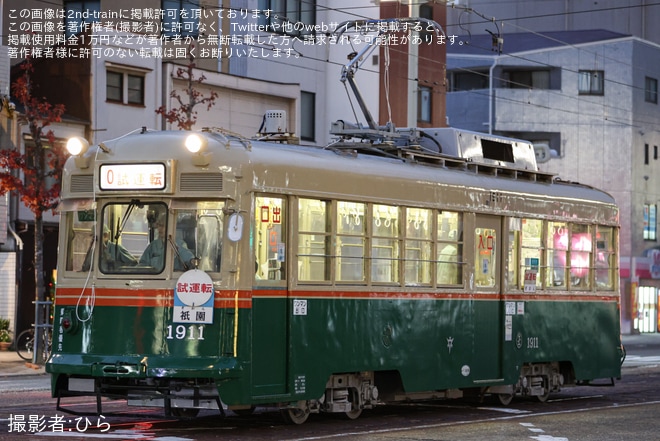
(269,298)
(488,315)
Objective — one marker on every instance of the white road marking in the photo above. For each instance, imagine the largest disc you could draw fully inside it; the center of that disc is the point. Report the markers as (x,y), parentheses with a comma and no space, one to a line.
(506,410)
(454,423)
(548,438)
(534,429)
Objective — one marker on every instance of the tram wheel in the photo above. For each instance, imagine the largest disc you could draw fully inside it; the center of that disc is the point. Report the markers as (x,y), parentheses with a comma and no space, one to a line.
(505,399)
(543,398)
(184,412)
(353,414)
(294,415)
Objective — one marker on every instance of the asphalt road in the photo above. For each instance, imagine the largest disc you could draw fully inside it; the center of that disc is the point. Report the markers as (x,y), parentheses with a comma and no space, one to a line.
(624,412)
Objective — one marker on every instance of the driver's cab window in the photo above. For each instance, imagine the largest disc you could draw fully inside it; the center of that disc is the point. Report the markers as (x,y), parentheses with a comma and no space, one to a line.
(113,241)
(152,257)
(198,228)
(146,238)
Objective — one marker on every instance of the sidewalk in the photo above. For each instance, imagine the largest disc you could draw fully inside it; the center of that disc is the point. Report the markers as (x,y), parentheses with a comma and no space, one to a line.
(11,364)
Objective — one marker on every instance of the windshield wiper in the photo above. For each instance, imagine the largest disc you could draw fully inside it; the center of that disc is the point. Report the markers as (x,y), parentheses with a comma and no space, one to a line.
(176,251)
(120,226)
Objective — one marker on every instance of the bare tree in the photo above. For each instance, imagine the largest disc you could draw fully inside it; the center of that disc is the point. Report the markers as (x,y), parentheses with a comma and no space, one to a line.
(185,114)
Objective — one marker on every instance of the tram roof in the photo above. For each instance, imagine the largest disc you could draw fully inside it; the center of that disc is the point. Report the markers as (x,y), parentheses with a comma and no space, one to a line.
(308,170)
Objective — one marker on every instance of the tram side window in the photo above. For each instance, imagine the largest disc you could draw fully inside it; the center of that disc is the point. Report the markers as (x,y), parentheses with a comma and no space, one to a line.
(580,252)
(605,257)
(531,249)
(269,238)
(449,248)
(419,241)
(80,231)
(385,244)
(557,254)
(350,245)
(313,240)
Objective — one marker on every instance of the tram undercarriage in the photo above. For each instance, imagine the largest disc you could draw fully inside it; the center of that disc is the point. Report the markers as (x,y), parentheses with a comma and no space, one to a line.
(346,393)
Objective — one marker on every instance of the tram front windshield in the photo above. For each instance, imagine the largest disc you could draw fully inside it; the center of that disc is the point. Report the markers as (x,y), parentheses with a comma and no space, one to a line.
(145,237)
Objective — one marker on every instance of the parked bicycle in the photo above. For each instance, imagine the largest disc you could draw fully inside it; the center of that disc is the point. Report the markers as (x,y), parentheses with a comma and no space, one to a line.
(25,343)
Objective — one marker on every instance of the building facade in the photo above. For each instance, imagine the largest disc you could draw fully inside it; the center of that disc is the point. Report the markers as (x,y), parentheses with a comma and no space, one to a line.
(637,18)
(588,100)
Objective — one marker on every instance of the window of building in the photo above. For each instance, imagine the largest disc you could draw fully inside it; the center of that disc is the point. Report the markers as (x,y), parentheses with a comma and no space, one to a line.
(646,154)
(124,87)
(308,116)
(651,90)
(114,88)
(180,18)
(424,101)
(291,17)
(526,79)
(79,14)
(591,82)
(459,81)
(426,11)
(650,213)
(135,89)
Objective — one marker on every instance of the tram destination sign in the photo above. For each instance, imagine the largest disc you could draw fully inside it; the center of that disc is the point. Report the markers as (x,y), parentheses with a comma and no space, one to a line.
(132,176)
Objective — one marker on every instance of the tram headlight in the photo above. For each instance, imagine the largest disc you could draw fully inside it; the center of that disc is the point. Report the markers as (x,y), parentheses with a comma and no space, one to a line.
(77,147)
(196,145)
